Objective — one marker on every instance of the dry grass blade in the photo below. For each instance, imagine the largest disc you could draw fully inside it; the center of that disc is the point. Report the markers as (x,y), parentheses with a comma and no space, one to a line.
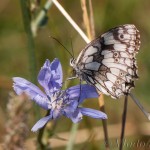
(89,24)
(86,19)
(71,21)
(92,26)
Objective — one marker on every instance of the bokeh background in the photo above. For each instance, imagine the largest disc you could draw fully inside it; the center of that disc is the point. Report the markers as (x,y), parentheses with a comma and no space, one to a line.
(15,61)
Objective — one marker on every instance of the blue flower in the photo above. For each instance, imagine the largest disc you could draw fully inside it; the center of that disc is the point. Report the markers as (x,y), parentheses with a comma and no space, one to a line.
(59,102)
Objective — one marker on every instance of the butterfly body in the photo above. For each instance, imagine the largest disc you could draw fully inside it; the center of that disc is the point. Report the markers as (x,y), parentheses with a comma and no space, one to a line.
(109,62)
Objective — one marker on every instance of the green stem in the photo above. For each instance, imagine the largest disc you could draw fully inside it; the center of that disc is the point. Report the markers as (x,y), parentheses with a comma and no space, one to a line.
(41,146)
(73,133)
(25,7)
(123,122)
(104,123)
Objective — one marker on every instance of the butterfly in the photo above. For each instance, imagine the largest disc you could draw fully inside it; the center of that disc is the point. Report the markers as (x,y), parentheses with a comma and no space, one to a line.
(108,62)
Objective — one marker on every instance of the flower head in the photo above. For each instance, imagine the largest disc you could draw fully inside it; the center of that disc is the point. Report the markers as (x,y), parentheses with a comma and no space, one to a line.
(59,102)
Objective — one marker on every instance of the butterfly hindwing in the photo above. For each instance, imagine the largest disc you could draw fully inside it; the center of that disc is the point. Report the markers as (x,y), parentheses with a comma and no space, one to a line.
(109,63)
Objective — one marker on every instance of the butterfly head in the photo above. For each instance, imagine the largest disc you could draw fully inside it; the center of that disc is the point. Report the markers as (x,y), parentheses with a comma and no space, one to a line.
(76,70)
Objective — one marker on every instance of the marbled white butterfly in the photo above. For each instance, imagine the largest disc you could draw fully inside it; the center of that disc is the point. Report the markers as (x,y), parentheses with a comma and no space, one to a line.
(108,62)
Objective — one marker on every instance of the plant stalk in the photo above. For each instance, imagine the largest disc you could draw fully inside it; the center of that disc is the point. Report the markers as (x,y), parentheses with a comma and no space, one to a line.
(123,122)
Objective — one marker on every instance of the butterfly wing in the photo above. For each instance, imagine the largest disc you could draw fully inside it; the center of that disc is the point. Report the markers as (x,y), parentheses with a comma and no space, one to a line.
(109,62)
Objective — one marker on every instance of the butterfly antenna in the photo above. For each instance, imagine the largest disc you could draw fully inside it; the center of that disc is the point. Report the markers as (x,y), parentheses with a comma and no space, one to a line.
(147,114)
(62,46)
(72,49)
(79,91)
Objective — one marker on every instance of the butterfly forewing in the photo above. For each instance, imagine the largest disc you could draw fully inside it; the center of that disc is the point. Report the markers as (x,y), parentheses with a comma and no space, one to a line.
(109,63)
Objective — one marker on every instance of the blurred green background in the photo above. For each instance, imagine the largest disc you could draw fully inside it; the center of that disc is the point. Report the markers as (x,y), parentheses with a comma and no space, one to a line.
(14,60)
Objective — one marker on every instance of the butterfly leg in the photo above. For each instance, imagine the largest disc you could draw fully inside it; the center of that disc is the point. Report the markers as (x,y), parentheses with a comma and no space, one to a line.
(80,91)
(71,78)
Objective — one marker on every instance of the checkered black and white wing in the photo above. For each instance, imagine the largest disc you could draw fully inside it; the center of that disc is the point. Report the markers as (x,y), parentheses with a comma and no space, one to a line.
(109,62)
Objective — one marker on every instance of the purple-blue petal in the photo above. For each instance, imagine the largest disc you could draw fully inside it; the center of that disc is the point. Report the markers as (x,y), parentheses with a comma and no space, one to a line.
(88,91)
(41,123)
(83,92)
(50,76)
(56,113)
(57,74)
(44,76)
(21,85)
(73,92)
(93,113)
(76,116)
(71,107)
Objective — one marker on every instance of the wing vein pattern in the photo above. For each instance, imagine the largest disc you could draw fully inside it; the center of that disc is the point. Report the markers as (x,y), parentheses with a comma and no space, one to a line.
(108,62)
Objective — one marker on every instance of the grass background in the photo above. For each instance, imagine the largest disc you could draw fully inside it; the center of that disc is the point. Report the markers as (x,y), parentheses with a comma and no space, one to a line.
(14,59)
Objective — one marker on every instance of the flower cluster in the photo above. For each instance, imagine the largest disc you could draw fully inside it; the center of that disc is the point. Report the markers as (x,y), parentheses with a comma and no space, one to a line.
(59,102)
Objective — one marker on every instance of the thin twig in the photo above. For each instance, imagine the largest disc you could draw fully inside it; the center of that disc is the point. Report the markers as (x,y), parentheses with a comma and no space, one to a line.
(104,121)
(123,122)
(147,114)
(72,22)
